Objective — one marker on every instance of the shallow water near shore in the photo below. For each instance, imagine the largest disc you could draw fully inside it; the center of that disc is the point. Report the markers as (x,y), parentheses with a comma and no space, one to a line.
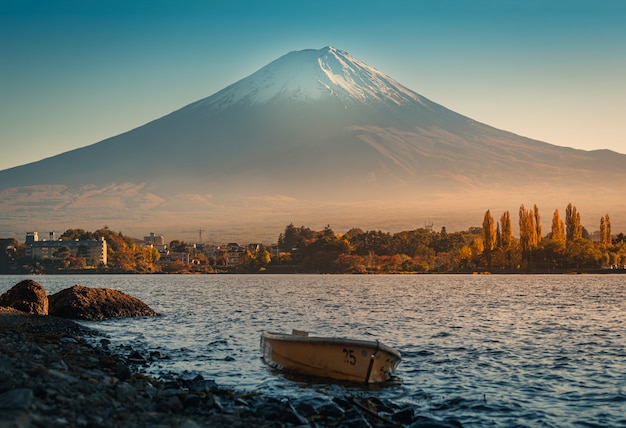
(499,350)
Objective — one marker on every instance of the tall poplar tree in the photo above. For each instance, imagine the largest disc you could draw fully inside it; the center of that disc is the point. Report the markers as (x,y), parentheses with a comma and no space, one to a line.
(605,230)
(498,236)
(569,221)
(507,229)
(558,229)
(537,222)
(527,232)
(489,232)
(573,227)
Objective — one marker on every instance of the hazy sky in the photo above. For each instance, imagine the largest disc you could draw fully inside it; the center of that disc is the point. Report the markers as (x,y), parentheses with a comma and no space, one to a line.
(74,72)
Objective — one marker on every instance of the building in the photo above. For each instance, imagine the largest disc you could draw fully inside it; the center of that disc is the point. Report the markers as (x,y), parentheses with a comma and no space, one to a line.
(157,241)
(233,252)
(94,250)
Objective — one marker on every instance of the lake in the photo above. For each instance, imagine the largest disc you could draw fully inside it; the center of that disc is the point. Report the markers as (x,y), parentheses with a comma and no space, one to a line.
(487,350)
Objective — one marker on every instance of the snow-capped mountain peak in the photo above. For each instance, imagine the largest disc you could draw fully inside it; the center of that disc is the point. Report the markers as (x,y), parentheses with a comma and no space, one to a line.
(311,75)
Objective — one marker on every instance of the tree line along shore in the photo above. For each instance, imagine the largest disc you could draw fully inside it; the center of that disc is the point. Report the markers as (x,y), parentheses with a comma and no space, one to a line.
(566,246)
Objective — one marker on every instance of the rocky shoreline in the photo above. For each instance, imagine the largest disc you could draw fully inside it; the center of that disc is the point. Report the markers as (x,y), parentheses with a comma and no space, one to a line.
(57,373)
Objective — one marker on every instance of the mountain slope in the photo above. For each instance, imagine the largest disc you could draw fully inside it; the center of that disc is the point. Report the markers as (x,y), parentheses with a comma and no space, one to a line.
(313,128)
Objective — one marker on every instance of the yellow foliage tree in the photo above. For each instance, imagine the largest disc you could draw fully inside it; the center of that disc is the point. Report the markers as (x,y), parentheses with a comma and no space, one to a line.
(506,230)
(558,229)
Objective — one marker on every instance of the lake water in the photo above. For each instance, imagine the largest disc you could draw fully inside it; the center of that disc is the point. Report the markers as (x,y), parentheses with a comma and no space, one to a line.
(520,350)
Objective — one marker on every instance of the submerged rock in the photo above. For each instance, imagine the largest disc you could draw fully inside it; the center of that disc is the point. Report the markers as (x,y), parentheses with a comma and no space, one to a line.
(26,296)
(96,304)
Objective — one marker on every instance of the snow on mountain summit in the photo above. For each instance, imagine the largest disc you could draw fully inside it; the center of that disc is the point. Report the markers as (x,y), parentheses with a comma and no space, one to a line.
(310,75)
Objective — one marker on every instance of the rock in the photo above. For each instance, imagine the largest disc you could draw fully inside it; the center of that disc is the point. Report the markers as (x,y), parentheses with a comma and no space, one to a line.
(123,372)
(17,399)
(15,419)
(125,392)
(331,410)
(199,385)
(96,304)
(27,296)
(404,417)
(136,358)
(424,422)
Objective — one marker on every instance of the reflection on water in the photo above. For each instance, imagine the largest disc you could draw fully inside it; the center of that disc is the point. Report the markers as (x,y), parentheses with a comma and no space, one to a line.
(487,350)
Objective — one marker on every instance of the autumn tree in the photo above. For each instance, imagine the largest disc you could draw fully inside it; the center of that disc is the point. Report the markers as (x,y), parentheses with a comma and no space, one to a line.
(489,236)
(558,229)
(605,230)
(489,232)
(506,254)
(527,232)
(574,229)
(537,222)
(507,230)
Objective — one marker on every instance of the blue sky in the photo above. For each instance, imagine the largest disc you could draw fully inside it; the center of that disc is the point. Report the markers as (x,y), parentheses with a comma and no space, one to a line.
(74,72)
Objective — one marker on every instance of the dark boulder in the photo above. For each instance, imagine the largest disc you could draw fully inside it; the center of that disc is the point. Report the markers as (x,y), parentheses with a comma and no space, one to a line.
(27,296)
(96,304)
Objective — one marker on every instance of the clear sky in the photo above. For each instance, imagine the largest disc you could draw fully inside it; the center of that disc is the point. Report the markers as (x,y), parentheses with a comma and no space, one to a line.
(74,72)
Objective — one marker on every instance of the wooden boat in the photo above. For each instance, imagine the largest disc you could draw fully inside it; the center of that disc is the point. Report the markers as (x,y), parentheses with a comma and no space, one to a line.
(330,357)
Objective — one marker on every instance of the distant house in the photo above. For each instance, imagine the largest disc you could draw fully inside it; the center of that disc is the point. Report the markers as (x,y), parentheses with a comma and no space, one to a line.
(233,254)
(94,250)
(156,241)
(177,256)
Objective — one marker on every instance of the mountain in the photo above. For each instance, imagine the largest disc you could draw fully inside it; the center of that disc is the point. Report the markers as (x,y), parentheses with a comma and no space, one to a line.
(314,137)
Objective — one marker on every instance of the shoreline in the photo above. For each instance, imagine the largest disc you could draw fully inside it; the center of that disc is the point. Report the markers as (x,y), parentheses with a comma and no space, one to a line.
(51,375)
(271,272)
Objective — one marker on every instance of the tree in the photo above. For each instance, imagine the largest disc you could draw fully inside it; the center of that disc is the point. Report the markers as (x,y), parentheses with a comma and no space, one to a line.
(527,232)
(179,246)
(489,236)
(605,230)
(537,222)
(77,234)
(465,257)
(489,232)
(376,241)
(573,227)
(507,230)
(558,229)
(62,253)
(293,237)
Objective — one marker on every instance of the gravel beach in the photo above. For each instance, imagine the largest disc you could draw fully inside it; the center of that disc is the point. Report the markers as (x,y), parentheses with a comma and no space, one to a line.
(57,373)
